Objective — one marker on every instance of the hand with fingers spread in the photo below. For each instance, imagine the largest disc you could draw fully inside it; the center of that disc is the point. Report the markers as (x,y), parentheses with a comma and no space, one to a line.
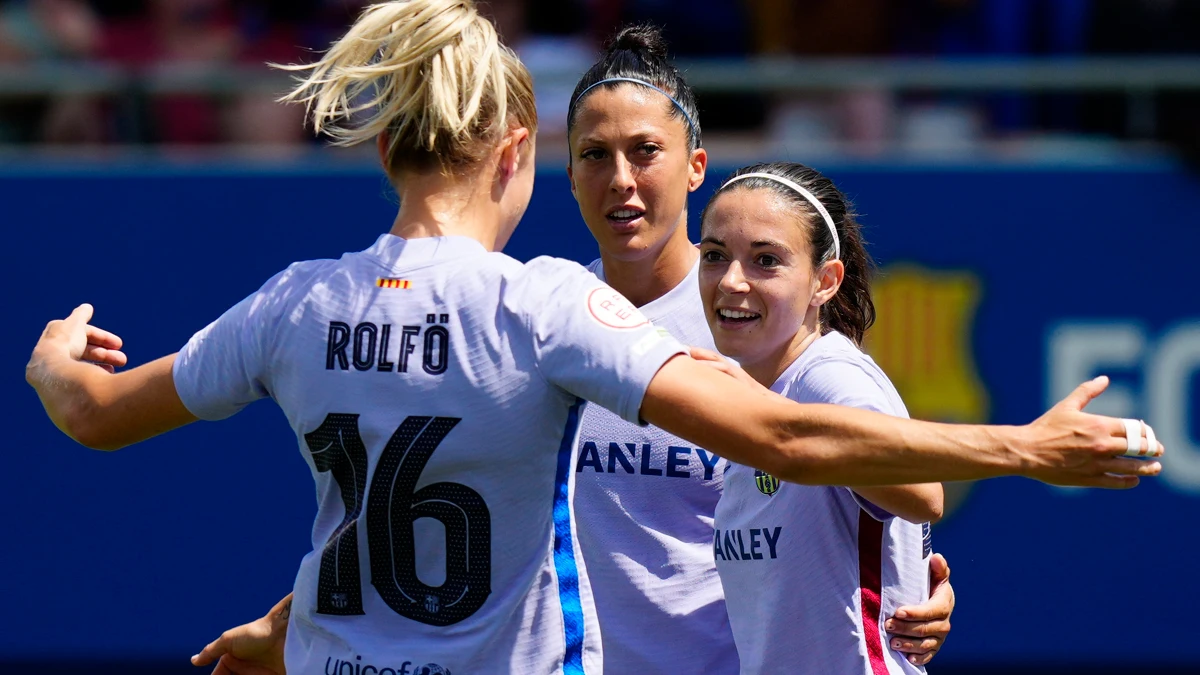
(255,648)
(1070,447)
(920,630)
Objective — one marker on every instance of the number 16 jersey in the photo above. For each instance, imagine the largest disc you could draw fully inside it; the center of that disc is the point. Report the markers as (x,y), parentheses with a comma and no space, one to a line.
(435,389)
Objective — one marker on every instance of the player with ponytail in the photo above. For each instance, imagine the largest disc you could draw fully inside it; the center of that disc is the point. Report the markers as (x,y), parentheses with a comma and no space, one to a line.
(636,153)
(785,285)
(476,430)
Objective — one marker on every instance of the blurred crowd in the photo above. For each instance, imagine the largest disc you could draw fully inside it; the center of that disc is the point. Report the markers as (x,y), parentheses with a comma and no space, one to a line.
(135,35)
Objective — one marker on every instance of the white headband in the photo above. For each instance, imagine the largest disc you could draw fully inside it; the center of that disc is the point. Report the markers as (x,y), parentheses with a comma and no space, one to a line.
(812,199)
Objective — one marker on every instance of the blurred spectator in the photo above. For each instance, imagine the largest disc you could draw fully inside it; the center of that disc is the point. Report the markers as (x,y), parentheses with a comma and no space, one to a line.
(554,40)
(183,35)
(1141,28)
(826,28)
(696,29)
(226,44)
(41,32)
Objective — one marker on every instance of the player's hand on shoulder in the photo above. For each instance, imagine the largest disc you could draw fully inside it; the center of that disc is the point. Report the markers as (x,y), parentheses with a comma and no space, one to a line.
(1067,446)
(721,364)
(919,631)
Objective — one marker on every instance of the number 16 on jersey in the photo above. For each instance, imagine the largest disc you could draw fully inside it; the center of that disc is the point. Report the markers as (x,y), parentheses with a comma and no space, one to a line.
(393,505)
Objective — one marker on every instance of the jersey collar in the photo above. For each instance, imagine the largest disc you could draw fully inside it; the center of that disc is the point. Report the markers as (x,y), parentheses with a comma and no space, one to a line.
(397,251)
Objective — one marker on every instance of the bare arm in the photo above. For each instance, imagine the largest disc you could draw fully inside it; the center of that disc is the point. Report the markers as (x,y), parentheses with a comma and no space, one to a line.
(92,405)
(915,503)
(833,445)
(921,503)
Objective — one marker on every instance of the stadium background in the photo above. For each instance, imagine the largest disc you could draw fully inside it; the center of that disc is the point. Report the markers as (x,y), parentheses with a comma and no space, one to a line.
(1027,239)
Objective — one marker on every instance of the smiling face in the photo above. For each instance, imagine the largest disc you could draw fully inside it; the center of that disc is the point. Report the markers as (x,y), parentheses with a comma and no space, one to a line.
(631,170)
(761,294)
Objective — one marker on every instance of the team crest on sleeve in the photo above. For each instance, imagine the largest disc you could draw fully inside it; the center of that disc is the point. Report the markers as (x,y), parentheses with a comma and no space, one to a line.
(767,484)
(610,308)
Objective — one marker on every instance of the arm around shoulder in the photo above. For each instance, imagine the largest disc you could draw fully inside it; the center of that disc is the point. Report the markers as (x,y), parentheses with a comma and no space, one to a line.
(834,445)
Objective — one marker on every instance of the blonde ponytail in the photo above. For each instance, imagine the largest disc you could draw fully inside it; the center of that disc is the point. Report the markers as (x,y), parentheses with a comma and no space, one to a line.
(431,73)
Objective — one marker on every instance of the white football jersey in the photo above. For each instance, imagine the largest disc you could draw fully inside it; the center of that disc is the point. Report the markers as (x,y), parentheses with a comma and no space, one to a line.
(435,389)
(811,573)
(644,503)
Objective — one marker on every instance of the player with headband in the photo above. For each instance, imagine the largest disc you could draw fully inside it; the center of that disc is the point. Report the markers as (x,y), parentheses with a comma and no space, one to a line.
(645,517)
(812,571)
(394,435)
(636,153)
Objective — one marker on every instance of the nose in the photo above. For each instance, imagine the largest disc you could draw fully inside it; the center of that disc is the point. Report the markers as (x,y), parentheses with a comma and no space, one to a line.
(733,281)
(622,176)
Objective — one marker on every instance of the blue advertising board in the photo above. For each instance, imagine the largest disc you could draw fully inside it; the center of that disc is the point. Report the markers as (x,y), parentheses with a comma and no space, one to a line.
(1001,289)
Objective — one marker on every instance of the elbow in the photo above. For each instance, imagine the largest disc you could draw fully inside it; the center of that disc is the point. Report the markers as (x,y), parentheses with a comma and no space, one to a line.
(934,510)
(84,424)
(934,504)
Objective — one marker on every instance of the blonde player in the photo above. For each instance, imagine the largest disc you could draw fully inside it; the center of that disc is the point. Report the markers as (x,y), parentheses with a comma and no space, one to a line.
(456,396)
(644,498)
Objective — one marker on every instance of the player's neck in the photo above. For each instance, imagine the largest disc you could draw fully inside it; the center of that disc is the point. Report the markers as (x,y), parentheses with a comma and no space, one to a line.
(433,205)
(647,279)
(767,369)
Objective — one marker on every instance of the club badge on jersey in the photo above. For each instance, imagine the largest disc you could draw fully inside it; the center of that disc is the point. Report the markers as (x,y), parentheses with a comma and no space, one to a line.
(767,484)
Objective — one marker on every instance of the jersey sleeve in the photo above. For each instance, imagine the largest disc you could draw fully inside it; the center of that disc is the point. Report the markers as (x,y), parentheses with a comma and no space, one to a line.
(846,383)
(223,367)
(587,338)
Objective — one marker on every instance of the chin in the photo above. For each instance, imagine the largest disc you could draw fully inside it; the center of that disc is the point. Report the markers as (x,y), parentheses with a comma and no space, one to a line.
(730,346)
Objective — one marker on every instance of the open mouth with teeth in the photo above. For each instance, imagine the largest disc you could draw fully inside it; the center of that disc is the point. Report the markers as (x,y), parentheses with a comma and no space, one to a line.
(736,316)
(625,215)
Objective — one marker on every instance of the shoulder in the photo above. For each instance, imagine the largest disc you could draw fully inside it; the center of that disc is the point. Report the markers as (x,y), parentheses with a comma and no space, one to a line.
(545,264)
(548,276)
(596,267)
(302,272)
(289,286)
(842,374)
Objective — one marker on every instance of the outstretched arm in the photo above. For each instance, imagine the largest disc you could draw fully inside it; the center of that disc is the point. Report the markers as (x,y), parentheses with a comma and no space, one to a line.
(915,503)
(833,445)
(91,404)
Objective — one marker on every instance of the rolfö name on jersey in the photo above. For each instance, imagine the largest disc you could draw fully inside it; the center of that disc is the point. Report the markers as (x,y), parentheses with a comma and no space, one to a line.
(755,543)
(640,459)
(386,348)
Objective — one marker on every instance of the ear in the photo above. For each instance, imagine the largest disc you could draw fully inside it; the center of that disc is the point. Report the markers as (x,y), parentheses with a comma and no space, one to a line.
(511,152)
(828,280)
(699,164)
(382,141)
(571,178)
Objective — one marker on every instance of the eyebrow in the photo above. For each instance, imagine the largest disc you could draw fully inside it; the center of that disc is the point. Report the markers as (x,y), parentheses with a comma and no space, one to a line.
(760,243)
(768,242)
(639,136)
